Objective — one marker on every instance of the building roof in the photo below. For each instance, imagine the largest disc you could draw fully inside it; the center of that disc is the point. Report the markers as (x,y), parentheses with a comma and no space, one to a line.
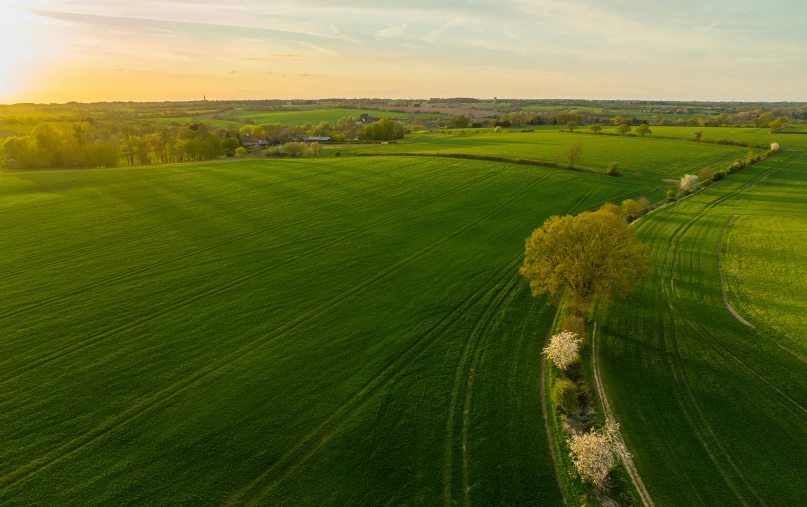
(317,138)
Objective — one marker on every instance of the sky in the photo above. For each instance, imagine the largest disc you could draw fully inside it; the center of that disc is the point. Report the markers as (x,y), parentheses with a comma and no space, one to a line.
(144,50)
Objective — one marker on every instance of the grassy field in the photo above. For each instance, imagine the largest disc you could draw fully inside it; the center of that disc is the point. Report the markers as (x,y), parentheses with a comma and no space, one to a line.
(291,117)
(654,159)
(223,333)
(714,411)
(788,140)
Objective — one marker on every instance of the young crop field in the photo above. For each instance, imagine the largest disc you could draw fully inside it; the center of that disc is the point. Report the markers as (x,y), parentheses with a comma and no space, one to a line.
(789,140)
(314,116)
(715,411)
(290,332)
(654,159)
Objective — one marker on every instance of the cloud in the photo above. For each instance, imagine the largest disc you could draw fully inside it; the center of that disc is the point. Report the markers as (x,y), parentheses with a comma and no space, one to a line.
(231,72)
(392,31)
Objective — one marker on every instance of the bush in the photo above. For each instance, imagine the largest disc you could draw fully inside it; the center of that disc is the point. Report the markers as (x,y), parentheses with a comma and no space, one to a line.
(564,396)
(595,454)
(564,349)
(337,154)
(671,194)
(719,175)
(706,173)
(613,169)
(736,166)
(631,209)
(689,183)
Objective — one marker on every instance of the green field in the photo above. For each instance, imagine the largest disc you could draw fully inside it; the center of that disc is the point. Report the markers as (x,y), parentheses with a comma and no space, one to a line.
(291,117)
(224,333)
(654,159)
(714,411)
(788,140)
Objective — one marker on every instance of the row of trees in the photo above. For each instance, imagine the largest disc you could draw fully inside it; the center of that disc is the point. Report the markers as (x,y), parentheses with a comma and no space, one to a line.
(593,256)
(108,144)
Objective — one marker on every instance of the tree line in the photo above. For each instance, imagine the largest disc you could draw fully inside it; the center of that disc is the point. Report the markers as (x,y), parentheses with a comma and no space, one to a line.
(92,143)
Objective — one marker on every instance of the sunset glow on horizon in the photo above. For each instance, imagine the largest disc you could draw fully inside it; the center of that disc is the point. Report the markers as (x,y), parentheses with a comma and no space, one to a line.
(82,50)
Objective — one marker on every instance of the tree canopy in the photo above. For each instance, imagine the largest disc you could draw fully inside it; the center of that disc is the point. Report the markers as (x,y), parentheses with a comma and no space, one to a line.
(594,255)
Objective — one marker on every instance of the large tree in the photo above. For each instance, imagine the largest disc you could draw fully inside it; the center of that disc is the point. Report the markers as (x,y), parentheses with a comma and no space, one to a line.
(594,255)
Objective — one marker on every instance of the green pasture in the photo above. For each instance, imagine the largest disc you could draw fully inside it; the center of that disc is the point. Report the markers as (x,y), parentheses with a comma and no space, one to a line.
(714,411)
(285,332)
(789,140)
(648,158)
(331,115)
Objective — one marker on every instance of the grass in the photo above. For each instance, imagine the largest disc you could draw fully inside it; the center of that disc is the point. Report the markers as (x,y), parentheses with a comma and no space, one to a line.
(648,158)
(223,333)
(713,411)
(788,140)
(290,117)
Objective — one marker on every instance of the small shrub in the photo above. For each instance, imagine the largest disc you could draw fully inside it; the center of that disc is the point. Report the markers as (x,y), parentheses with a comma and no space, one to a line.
(644,203)
(564,396)
(337,154)
(613,169)
(671,195)
(706,173)
(719,175)
(631,209)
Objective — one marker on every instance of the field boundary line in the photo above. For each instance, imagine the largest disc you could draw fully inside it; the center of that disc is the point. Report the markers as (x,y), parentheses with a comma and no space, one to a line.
(627,458)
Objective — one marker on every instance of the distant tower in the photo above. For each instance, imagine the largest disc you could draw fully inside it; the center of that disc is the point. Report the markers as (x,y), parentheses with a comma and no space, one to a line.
(205,97)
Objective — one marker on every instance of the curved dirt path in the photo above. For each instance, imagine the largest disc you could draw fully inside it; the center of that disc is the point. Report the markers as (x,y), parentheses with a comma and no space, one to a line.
(720,272)
(627,459)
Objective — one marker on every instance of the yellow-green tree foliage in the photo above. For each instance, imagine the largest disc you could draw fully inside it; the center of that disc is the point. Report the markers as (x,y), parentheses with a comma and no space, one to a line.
(593,255)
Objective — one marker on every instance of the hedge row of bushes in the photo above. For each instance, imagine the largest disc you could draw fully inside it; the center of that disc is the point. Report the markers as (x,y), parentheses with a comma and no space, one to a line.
(752,159)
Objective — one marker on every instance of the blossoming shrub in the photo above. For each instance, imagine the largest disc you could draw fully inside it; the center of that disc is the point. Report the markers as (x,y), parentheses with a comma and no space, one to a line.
(596,453)
(564,349)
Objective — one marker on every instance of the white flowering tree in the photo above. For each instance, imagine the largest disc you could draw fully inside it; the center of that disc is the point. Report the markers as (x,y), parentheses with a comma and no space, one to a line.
(564,349)
(774,146)
(595,454)
(689,183)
